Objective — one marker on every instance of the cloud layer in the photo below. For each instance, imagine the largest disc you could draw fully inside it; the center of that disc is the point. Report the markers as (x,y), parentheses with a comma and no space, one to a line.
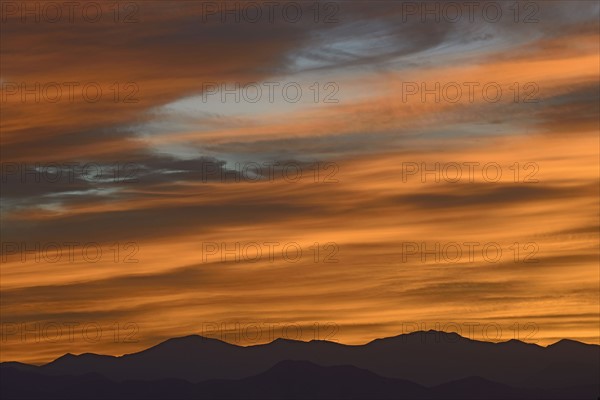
(415,151)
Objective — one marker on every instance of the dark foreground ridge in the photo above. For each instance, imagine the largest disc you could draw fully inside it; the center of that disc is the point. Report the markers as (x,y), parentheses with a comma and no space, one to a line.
(432,364)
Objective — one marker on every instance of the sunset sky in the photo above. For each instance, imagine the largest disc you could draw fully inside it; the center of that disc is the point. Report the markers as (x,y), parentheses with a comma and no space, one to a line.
(528,157)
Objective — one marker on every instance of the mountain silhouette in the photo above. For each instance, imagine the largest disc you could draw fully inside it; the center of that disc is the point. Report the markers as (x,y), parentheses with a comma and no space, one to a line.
(428,358)
(424,363)
(285,380)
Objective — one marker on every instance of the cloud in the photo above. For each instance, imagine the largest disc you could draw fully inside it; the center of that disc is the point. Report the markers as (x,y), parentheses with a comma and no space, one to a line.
(179,148)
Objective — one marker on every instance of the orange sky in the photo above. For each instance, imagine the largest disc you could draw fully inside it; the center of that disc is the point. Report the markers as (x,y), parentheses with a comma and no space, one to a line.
(370,212)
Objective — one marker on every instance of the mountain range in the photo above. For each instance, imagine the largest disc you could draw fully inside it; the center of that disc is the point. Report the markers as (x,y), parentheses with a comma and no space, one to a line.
(423,364)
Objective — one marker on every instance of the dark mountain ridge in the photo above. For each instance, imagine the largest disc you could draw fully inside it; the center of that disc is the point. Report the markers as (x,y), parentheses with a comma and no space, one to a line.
(426,357)
(285,380)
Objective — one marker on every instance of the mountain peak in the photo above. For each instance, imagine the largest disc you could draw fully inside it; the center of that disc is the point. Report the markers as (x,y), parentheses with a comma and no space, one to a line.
(436,337)
(192,340)
(284,340)
(567,343)
(517,342)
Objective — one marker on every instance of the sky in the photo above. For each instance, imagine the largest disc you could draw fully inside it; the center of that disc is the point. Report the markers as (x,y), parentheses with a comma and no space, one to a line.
(342,171)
